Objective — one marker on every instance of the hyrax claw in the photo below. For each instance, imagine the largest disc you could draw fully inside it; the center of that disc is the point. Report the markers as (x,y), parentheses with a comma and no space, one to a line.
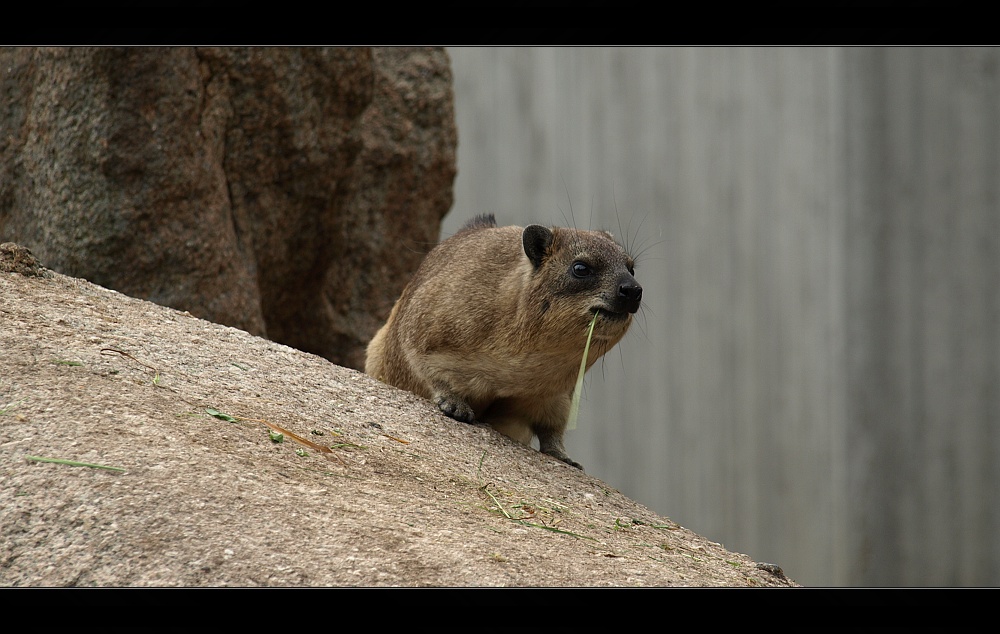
(459,410)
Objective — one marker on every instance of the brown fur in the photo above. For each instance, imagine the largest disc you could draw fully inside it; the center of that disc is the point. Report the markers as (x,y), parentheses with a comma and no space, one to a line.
(493,325)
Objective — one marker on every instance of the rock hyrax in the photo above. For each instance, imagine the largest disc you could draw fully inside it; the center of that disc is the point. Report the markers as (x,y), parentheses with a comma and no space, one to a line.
(493,325)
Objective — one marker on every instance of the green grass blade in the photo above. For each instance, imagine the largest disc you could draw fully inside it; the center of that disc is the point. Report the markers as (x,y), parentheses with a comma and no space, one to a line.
(73,463)
(574,407)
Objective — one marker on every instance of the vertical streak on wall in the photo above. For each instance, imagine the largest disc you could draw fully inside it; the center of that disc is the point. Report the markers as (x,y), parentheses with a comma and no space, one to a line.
(975,343)
(867,235)
(837,556)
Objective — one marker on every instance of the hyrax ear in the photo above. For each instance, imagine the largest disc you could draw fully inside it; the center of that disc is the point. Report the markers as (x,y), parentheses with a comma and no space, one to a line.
(537,240)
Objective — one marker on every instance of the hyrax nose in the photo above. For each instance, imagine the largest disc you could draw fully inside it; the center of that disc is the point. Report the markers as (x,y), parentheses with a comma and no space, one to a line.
(630,293)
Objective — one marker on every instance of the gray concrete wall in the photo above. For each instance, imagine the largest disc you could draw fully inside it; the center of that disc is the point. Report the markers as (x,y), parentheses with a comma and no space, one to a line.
(813,379)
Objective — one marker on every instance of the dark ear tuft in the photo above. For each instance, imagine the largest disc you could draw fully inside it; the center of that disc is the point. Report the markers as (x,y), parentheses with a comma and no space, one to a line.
(482,221)
(537,240)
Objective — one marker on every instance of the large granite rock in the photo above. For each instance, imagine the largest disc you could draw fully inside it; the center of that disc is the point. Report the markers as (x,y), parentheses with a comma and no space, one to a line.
(289,192)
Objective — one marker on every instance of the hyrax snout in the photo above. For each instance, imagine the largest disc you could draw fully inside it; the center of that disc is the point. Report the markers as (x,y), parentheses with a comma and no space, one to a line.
(493,325)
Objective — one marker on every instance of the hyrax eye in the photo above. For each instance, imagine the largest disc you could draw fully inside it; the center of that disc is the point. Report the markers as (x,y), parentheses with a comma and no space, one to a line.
(580,269)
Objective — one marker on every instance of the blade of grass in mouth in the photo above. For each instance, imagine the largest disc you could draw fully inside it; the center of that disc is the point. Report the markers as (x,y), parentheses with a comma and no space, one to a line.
(574,407)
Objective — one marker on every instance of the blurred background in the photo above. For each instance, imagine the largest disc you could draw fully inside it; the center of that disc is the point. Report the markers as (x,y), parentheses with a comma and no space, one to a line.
(813,379)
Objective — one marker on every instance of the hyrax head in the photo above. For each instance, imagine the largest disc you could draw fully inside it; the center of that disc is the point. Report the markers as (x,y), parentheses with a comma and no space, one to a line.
(579,272)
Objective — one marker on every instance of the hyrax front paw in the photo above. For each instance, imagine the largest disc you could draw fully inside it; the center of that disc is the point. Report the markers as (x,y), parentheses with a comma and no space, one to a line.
(552,445)
(569,461)
(572,463)
(456,408)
